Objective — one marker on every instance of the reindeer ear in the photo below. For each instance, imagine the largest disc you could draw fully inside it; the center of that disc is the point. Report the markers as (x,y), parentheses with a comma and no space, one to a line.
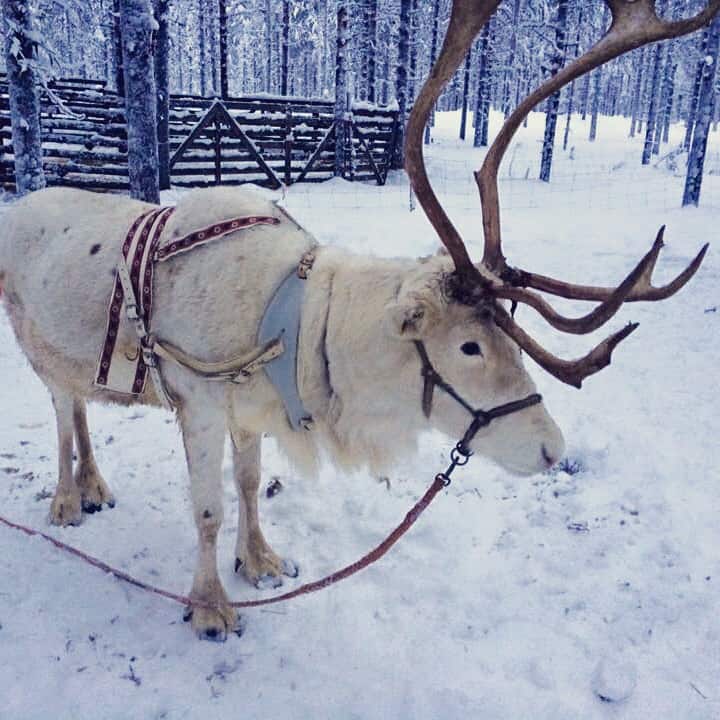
(408,318)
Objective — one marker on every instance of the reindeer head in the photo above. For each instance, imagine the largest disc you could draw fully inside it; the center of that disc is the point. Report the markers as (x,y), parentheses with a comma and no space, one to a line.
(478,349)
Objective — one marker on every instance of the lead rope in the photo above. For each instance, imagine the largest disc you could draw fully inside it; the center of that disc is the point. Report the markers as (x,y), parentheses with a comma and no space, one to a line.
(438,484)
(459,456)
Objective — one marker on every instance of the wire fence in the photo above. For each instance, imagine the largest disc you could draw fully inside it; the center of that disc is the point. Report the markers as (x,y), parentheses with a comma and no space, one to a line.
(623,186)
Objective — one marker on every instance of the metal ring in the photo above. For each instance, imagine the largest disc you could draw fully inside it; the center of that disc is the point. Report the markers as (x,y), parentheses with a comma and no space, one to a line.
(459,457)
(443,478)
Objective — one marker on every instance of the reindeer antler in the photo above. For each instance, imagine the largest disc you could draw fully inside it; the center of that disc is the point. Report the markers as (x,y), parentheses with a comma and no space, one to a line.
(634,23)
(466,20)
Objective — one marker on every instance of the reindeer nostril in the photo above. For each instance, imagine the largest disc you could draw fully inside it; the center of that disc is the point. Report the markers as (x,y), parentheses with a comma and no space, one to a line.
(549,459)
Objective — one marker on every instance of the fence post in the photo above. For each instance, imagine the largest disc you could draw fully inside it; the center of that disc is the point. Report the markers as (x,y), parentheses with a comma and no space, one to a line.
(217,139)
(288,144)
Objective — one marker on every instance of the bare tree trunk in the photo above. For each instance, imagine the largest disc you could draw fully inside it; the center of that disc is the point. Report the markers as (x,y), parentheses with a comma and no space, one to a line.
(433,55)
(482,103)
(509,66)
(285,46)
(162,82)
(222,18)
(585,95)
(401,79)
(372,48)
(637,92)
(553,102)
(21,63)
(597,78)
(201,43)
(466,90)
(705,114)
(140,99)
(663,101)
(653,105)
(268,45)
(571,91)
(693,103)
(669,102)
(413,46)
(118,54)
(341,89)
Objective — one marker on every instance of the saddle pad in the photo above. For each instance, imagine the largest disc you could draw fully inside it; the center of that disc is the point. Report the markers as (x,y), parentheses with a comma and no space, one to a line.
(123,370)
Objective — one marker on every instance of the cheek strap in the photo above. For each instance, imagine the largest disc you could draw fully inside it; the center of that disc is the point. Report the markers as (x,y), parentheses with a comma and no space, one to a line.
(481,418)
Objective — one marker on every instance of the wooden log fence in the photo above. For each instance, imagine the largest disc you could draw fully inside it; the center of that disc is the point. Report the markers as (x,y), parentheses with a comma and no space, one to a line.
(255,139)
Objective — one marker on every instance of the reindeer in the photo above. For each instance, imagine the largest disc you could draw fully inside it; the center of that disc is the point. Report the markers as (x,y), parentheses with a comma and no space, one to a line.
(376,336)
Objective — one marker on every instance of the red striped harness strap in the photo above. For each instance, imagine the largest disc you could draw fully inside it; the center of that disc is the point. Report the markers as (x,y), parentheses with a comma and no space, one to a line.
(129,352)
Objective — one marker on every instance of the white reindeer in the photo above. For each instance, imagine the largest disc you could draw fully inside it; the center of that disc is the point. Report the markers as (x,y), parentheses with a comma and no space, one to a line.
(365,325)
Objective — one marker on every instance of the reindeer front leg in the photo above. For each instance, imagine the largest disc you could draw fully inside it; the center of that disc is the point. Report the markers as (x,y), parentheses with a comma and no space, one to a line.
(203,428)
(257,560)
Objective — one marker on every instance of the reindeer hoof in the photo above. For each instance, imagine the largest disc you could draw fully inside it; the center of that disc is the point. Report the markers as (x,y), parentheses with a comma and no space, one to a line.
(290,568)
(214,624)
(93,489)
(267,571)
(66,509)
(268,582)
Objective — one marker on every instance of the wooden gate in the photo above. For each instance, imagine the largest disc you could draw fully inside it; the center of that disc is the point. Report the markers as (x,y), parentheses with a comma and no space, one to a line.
(261,139)
(218,148)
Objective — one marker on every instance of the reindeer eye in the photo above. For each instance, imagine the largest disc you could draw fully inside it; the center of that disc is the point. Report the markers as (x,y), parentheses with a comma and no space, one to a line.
(471,348)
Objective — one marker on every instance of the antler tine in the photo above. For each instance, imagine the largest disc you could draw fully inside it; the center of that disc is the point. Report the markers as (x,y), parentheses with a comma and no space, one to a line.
(634,23)
(600,314)
(644,290)
(466,20)
(572,372)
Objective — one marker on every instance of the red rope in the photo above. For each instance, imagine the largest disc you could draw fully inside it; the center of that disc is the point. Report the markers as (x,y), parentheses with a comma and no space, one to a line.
(347,571)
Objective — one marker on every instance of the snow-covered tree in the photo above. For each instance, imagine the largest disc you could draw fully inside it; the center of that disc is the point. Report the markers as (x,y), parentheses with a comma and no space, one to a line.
(138,26)
(553,103)
(705,114)
(21,60)
(162,88)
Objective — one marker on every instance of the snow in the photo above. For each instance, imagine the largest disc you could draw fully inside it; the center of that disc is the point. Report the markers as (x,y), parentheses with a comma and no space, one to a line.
(588,592)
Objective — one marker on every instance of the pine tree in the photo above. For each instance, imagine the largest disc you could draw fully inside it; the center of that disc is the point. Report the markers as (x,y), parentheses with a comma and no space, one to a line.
(705,113)
(553,102)
(466,91)
(21,60)
(162,87)
(137,25)
(401,78)
(341,87)
(482,103)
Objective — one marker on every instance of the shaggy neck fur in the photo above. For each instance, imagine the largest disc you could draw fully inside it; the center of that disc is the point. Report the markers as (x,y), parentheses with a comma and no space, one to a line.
(346,360)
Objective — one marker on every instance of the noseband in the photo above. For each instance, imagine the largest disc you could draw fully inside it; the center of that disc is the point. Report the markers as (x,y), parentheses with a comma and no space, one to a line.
(480,418)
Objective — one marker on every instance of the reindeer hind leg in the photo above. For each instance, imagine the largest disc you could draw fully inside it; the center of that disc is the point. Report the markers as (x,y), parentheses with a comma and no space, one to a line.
(94,491)
(66,506)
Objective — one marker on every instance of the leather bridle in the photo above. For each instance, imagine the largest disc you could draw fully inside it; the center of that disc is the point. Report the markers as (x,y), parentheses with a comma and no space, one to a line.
(480,418)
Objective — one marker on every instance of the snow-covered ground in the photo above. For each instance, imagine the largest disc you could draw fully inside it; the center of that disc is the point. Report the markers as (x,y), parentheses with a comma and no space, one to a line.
(512,598)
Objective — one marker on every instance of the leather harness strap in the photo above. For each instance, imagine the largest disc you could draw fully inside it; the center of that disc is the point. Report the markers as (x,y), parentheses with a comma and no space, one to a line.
(134,288)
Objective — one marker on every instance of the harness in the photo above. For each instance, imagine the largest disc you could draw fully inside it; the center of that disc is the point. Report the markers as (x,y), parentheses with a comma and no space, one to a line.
(278,332)
(133,288)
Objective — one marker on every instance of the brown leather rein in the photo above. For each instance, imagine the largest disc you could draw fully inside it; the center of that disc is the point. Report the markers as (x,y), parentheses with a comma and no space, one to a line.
(459,456)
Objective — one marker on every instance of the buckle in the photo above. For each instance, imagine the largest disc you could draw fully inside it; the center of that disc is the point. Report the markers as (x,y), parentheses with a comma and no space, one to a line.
(149,356)
(131,310)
